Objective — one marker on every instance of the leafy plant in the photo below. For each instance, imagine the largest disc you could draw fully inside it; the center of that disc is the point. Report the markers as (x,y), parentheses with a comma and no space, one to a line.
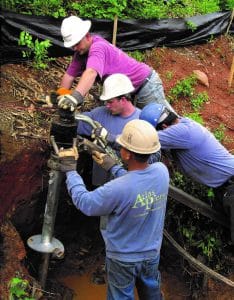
(38,49)
(163,9)
(137,9)
(183,88)
(219,133)
(199,100)
(99,9)
(53,8)
(178,179)
(191,25)
(210,193)
(195,116)
(208,245)
(229,4)
(146,9)
(19,289)
(189,232)
(138,55)
(206,6)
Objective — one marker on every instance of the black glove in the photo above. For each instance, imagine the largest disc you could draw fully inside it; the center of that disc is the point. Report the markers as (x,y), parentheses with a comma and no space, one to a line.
(68,159)
(70,102)
(67,164)
(104,160)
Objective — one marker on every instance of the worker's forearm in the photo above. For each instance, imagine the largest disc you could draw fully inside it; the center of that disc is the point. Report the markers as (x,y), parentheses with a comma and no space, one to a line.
(117,171)
(86,81)
(67,81)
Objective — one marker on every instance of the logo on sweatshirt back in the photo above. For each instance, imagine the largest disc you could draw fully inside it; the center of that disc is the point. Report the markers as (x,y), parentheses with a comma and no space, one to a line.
(150,201)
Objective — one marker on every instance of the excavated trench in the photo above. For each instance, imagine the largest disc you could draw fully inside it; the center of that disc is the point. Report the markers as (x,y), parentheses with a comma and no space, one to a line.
(80,273)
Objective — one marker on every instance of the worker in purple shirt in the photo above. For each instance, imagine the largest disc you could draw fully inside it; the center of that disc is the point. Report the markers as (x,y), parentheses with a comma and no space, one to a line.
(95,58)
(197,153)
(134,204)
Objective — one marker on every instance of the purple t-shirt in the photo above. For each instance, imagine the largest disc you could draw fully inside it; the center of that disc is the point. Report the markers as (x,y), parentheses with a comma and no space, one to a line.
(106,59)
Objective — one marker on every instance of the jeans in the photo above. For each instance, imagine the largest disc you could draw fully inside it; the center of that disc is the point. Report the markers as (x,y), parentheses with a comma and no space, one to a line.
(224,200)
(122,277)
(152,91)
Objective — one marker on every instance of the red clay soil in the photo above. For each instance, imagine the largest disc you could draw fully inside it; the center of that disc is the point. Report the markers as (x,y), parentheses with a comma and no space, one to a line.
(14,253)
(21,178)
(214,59)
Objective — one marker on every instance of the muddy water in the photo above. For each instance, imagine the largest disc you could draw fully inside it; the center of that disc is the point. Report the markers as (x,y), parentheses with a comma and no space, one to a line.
(85,289)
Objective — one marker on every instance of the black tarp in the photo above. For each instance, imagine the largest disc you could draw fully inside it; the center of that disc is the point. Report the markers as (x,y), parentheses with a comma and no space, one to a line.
(131,35)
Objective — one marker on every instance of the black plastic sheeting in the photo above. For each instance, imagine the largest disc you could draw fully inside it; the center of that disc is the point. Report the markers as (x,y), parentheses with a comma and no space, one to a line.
(131,34)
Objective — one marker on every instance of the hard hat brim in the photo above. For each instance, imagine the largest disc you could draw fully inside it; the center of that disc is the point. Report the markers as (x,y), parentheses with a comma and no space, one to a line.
(134,149)
(105,98)
(86,27)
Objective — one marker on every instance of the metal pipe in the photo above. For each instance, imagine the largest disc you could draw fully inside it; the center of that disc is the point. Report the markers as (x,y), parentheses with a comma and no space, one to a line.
(51,206)
(62,130)
(45,242)
(43,271)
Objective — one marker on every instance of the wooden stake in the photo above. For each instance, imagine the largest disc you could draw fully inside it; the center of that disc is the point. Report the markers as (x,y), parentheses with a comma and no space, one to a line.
(231,19)
(231,73)
(115,30)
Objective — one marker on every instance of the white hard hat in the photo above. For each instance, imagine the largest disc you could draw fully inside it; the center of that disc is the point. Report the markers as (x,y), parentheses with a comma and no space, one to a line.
(116,85)
(73,29)
(139,136)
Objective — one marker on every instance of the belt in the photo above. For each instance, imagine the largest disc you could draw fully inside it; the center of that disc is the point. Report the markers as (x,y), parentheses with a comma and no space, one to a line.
(145,81)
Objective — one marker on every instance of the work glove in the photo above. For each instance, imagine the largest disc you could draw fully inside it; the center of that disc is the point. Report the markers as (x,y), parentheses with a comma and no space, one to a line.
(101,133)
(104,160)
(63,91)
(52,98)
(68,159)
(70,102)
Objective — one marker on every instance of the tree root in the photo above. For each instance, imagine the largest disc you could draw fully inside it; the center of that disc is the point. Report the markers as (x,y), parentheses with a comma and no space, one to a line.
(197,263)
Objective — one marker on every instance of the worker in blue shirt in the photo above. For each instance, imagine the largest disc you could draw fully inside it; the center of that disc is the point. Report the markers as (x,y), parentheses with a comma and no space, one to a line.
(116,112)
(197,153)
(134,203)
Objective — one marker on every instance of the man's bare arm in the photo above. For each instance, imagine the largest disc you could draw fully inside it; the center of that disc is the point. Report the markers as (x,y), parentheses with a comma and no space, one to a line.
(77,96)
(67,81)
(86,81)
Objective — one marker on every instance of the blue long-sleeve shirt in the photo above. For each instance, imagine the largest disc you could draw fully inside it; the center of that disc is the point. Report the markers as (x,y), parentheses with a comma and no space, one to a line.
(114,124)
(135,205)
(197,152)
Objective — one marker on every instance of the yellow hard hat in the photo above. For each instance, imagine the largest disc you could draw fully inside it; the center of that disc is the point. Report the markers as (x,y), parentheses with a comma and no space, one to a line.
(140,137)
